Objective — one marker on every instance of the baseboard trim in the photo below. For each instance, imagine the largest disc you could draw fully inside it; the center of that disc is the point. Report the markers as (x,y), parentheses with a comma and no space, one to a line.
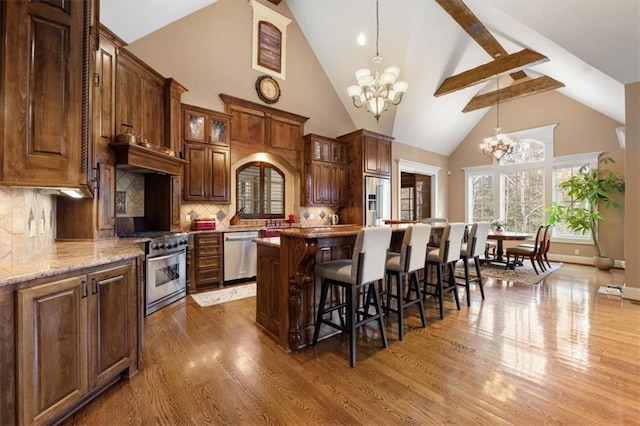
(631,293)
(581,260)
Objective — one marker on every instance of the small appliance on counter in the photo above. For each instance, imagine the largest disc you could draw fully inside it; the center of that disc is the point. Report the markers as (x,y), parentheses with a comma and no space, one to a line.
(202,224)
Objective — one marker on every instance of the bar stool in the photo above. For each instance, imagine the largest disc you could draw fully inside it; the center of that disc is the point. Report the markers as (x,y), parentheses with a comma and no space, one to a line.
(472,249)
(407,262)
(445,256)
(362,271)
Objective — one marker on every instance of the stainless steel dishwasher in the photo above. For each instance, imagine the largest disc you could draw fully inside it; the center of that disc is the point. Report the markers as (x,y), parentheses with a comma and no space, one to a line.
(240,255)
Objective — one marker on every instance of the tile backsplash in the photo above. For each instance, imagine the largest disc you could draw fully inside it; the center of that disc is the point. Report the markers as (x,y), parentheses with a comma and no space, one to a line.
(27,223)
(129,194)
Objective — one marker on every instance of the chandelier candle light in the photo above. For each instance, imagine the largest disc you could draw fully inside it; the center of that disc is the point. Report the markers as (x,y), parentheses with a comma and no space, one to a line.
(376,91)
(499,144)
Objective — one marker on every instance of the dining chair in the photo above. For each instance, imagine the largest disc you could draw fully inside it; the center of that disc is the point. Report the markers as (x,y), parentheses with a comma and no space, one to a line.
(407,263)
(444,259)
(543,253)
(533,252)
(361,273)
(472,249)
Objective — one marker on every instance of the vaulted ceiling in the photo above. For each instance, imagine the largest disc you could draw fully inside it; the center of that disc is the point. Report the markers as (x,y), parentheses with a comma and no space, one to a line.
(592,46)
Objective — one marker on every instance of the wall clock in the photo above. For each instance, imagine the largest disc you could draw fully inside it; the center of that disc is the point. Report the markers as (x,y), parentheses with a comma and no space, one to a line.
(268,89)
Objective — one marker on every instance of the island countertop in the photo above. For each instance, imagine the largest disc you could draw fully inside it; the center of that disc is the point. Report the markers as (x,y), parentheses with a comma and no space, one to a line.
(333,231)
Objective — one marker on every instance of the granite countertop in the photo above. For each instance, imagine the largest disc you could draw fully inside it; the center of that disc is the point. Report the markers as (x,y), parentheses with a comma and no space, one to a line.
(69,256)
(268,241)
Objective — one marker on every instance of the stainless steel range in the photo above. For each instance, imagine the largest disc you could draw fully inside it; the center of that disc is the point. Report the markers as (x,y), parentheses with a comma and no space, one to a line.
(166,267)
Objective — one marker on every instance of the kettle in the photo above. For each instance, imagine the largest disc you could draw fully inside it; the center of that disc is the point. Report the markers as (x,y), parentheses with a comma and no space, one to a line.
(127,135)
(333,219)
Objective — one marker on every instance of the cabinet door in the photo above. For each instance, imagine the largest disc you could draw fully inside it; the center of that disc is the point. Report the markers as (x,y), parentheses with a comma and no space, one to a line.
(112,321)
(218,129)
(106,191)
(370,155)
(43,139)
(220,170)
(195,173)
(339,185)
(194,126)
(51,349)
(248,125)
(321,183)
(384,158)
(285,133)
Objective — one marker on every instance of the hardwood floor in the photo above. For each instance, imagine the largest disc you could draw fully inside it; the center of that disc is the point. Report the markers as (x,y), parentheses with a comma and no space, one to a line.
(556,353)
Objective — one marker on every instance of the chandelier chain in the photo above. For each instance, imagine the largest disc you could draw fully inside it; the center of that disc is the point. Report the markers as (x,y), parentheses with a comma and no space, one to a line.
(377,28)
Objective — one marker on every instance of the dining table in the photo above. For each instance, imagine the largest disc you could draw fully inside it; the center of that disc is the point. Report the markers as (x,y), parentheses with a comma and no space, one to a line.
(500,237)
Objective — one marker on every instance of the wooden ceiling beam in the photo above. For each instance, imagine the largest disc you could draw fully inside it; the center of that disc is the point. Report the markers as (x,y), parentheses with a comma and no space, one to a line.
(517,61)
(276,2)
(470,23)
(515,91)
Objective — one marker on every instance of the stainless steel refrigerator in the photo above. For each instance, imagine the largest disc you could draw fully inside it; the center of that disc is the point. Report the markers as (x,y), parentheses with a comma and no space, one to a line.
(377,198)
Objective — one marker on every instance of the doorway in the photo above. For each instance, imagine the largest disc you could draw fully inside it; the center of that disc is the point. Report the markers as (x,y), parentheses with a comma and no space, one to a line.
(415,196)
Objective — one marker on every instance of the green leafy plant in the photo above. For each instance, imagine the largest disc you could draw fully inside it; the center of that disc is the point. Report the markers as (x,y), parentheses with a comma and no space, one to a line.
(587,189)
(498,224)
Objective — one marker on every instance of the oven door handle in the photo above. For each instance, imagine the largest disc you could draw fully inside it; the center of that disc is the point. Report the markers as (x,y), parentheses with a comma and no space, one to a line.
(175,253)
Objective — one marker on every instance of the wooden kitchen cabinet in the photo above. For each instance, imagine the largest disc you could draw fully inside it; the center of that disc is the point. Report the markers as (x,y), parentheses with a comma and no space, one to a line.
(255,126)
(207,261)
(377,155)
(205,126)
(74,335)
(369,154)
(207,176)
(45,141)
(325,176)
(268,290)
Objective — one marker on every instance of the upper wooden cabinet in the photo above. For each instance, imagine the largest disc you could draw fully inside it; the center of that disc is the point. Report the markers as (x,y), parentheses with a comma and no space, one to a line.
(206,126)
(369,154)
(256,127)
(43,92)
(324,181)
(140,101)
(206,177)
(377,155)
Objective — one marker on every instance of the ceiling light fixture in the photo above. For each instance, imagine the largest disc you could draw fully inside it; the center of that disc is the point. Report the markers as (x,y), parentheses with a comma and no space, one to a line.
(376,91)
(499,144)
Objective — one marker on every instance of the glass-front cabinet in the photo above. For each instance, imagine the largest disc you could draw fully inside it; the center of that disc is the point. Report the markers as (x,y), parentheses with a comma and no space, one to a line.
(205,126)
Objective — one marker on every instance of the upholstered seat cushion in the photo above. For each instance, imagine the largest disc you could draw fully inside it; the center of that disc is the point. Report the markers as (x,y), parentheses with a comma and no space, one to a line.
(520,251)
(338,270)
(433,255)
(393,262)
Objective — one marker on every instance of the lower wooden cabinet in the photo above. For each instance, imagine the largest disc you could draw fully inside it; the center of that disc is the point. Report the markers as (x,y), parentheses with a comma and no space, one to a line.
(268,294)
(73,337)
(207,261)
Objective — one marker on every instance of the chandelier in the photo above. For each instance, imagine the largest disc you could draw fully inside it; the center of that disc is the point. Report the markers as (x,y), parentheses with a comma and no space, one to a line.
(499,144)
(376,90)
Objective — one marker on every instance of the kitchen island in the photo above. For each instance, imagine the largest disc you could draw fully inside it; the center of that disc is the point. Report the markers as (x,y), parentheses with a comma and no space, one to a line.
(287,292)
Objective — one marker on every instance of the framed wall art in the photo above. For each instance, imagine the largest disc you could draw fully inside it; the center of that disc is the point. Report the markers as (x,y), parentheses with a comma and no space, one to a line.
(269,41)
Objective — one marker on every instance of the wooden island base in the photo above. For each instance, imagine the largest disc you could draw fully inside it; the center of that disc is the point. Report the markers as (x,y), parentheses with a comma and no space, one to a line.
(287,294)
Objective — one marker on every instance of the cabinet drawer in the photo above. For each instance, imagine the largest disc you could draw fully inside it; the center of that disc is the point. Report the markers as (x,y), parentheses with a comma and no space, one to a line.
(207,276)
(208,239)
(207,251)
(209,262)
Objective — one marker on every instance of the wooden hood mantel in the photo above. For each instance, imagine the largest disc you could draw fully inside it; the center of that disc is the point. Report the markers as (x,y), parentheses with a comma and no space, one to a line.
(146,160)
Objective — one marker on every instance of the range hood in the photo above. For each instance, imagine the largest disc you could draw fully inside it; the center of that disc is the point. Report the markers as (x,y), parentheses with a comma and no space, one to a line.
(142,159)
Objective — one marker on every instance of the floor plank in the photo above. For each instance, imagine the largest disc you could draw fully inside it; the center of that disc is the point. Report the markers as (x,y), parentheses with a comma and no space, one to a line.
(556,352)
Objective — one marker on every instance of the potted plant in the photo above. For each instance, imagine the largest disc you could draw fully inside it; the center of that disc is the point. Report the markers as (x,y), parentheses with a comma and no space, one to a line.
(587,189)
(498,225)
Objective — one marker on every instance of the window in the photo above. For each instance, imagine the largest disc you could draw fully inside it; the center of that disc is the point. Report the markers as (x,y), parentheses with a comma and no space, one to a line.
(260,191)
(521,187)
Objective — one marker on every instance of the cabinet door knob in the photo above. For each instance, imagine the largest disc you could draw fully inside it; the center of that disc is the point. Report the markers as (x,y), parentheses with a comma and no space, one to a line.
(84,289)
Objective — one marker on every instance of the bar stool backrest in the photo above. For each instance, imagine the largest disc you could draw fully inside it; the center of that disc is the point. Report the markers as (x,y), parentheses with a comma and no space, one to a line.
(416,237)
(478,238)
(451,242)
(373,243)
